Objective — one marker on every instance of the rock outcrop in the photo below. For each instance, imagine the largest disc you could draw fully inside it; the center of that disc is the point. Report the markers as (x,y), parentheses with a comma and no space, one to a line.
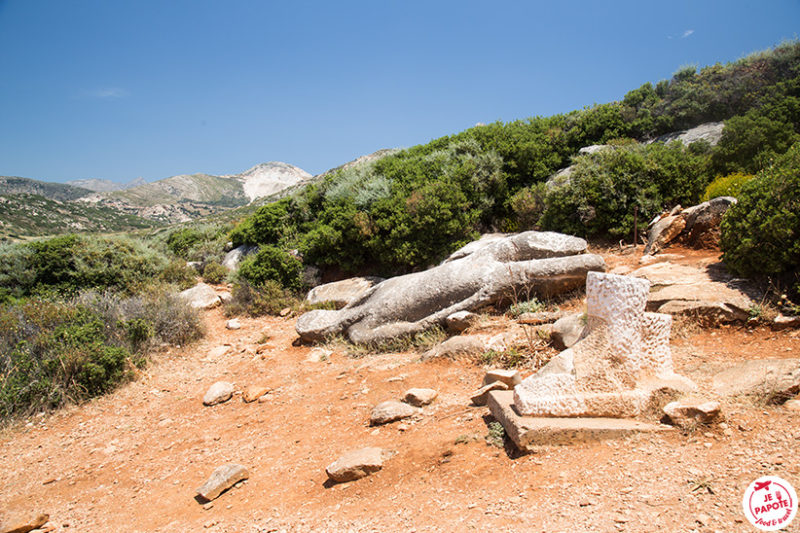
(235,256)
(620,368)
(341,293)
(201,296)
(696,226)
(536,263)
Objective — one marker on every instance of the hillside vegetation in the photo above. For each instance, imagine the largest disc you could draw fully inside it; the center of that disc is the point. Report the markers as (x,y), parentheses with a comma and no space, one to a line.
(409,209)
(53,191)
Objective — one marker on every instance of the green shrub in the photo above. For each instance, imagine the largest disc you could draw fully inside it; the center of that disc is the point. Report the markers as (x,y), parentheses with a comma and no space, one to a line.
(198,242)
(729,185)
(271,263)
(179,273)
(269,298)
(265,226)
(527,207)
(760,234)
(214,273)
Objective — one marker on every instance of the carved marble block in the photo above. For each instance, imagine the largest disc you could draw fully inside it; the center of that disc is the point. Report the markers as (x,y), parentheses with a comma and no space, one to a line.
(621,367)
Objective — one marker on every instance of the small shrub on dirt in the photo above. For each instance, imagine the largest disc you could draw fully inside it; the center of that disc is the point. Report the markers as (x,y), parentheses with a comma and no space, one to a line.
(214,273)
(497,435)
(180,274)
(529,306)
(730,185)
(271,264)
(267,298)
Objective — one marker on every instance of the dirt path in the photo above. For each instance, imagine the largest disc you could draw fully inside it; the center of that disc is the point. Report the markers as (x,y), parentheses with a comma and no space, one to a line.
(131,461)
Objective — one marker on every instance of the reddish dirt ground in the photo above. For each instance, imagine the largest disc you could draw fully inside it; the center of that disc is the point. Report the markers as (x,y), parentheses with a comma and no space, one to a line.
(131,461)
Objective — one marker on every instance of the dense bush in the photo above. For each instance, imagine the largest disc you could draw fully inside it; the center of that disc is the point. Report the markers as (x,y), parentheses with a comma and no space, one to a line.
(179,273)
(197,242)
(271,263)
(760,235)
(269,298)
(69,263)
(608,188)
(54,352)
(729,185)
(214,273)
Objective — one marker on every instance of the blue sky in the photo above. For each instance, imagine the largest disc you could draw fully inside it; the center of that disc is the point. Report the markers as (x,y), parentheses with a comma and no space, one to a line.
(119,89)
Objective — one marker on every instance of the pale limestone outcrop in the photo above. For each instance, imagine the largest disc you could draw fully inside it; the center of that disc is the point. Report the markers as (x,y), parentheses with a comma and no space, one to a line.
(618,366)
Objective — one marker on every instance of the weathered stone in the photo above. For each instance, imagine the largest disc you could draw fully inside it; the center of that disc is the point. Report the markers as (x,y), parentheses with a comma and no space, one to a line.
(622,365)
(201,296)
(235,256)
(225,297)
(356,464)
(792,405)
(286,311)
(420,397)
(784,322)
(539,263)
(197,266)
(458,322)
(662,274)
(254,392)
(25,526)
(462,345)
(646,260)
(233,324)
(390,411)
(567,331)
(528,433)
(663,232)
(768,378)
(511,378)
(541,317)
(480,396)
(713,301)
(219,392)
(218,351)
(470,248)
(223,478)
(341,293)
(686,412)
(318,355)
(711,132)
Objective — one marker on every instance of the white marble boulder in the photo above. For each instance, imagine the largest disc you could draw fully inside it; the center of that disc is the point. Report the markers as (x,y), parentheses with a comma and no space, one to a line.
(535,263)
(621,368)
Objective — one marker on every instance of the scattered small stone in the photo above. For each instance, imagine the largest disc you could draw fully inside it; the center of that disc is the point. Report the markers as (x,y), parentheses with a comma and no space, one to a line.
(460,321)
(511,378)
(219,351)
(207,506)
(233,324)
(480,396)
(356,464)
(792,405)
(264,398)
(219,392)
(223,478)
(420,397)
(389,411)
(254,392)
(286,311)
(25,527)
(318,355)
(686,412)
(783,322)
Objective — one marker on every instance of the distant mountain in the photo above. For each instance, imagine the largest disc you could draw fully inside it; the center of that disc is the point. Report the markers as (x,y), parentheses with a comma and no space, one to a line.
(53,191)
(31,215)
(98,185)
(187,196)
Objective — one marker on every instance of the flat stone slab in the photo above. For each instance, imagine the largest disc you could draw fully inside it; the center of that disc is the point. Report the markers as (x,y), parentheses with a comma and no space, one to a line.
(529,432)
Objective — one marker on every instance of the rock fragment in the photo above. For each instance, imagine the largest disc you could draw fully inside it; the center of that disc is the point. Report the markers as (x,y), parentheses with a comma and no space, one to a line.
(687,412)
(26,526)
(567,331)
(480,396)
(219,392)
(223,478)
(390,411)
(233,324)
(511,378)
(460,321)
(356,464)
(420,397)
(254,392)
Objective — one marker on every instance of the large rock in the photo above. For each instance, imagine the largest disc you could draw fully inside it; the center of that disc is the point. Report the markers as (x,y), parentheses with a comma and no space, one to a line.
(223,478)
(713,301)
(460,321)
(696,226)
(26,525)
(711,132)
(201,296)
(356,464)
(219,392)
(567,331)
(776,379)
(390,411)
(459,346)
(341,293)
(621,367)
(537,263)
(234,257)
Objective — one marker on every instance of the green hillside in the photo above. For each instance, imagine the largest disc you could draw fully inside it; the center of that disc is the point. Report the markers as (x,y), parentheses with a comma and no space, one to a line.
(54,191)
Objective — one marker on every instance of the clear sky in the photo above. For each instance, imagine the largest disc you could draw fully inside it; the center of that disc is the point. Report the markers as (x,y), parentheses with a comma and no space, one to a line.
(119,89)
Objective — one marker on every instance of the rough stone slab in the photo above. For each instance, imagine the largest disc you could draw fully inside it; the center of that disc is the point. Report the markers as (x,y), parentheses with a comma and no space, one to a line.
(686,412)
(480,396)
(420,397)
(511,377)
(223,478)
(355,464)
(25,526)
(460,321)
(567,331)
(254,392)
(341,293)
(528,432)
(766,377)
(390,411)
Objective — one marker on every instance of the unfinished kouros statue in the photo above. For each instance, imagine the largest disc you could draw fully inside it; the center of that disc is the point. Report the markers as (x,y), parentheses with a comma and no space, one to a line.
(622,366)
(530,263)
